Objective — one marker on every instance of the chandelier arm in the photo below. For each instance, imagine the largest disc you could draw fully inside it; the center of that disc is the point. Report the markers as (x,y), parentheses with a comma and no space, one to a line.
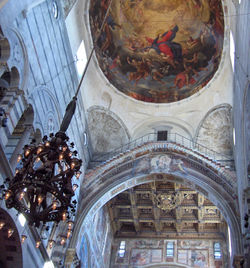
(70,110)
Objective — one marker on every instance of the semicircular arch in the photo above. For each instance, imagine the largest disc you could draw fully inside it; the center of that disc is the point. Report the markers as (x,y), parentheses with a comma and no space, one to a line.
(42,98)
(108,131)
(147,165)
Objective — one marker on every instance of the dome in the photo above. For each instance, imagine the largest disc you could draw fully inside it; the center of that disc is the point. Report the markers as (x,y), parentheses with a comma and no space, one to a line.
(159,51)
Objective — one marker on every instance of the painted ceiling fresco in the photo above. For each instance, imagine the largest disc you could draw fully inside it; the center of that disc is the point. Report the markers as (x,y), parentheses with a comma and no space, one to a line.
(158,51)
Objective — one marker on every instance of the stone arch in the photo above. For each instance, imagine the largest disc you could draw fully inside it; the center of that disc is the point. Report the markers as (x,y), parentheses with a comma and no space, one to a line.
(10,248)
(139,166)
(173,124)
(46,108)
(216,137)
(18,61)
(108,132)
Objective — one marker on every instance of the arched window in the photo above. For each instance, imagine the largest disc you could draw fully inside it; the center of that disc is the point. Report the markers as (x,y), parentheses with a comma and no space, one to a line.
(81,59)
(4,84)
(217,251)
(232,49)
(122,249)
(170,249)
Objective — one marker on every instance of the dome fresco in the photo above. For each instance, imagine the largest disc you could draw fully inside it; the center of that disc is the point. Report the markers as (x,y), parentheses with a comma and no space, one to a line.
(158,51)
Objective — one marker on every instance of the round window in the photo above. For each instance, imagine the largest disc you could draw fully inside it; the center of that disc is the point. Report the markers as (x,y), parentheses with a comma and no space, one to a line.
(55,9)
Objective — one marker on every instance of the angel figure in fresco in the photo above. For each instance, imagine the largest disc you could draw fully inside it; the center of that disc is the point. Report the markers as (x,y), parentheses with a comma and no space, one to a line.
(185,78)
(216,16)
(199,9)
(142,70)
(115,63)
(164,44)
(106,37)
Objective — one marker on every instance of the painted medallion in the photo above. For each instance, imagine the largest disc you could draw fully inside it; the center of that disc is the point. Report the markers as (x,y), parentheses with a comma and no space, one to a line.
(158,51)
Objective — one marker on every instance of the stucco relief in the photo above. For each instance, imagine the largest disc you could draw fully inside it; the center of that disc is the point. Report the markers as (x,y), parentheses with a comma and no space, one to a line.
(215,131)
(106,132)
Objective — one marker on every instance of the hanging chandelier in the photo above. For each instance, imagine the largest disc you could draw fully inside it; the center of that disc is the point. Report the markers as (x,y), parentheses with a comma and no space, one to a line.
(42,186)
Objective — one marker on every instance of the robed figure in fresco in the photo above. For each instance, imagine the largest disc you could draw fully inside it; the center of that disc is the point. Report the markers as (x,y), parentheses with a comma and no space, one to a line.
(163,43)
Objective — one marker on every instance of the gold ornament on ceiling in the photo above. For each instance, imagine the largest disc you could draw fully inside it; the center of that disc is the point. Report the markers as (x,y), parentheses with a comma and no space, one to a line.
(168,201)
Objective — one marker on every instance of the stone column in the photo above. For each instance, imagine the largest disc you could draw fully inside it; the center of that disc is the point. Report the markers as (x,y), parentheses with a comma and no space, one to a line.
(19,148)
(14,105)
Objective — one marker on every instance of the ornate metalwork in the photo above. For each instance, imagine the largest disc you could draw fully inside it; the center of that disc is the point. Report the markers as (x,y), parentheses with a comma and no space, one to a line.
(168,201)
(42,187)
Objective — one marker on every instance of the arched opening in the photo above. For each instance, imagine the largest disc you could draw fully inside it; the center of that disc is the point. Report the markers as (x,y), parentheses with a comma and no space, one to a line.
(37,135)
(4,50)
(153,164)
(9,79)
(6,76)
(4,84)
(10,246)
(15,77)
(161,222)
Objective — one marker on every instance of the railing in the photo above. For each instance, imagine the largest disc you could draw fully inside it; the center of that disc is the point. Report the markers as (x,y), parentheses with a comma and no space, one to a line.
(172,138)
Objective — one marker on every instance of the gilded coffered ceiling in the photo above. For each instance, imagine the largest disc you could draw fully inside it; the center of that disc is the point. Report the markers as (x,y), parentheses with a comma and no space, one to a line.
(164,210)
